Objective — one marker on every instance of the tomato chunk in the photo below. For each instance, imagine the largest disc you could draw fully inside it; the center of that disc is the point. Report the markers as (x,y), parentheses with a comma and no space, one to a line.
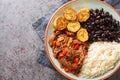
(63,53)
(57,43)
(60,55)
(76,46)
(73,71)
(76,60)
(66,69)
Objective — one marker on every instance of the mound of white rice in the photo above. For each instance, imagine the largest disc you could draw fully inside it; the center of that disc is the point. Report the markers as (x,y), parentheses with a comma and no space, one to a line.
(102,57)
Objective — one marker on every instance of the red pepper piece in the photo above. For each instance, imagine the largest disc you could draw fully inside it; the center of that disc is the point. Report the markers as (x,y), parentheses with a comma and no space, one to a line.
(57,43)
(73,71)
(76,46)
(66,69)
(76,60)
(62,54)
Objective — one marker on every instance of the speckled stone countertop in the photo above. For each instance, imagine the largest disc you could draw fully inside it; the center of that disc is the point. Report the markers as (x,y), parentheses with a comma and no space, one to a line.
(21,48)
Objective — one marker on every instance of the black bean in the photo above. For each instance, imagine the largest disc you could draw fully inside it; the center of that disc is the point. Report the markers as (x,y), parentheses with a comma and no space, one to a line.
(101,10)
(102,14)
(108,19)
(89,26)
(112,27)
(88,23)
(95,14)
(91,14)
(97,21)
(91,10)
(98,17)
(103,35)
(97,10)
(114,21)
(95,35)
(93,23)
(92,32)
(117,22)
(110,16)
(92,19)
(107,13)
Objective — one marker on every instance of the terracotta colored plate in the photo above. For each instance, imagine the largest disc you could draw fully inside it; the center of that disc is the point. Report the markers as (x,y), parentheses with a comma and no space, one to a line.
(77,4)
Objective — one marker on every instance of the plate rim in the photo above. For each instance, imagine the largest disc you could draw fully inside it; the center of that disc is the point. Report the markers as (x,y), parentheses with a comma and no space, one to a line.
(46,43)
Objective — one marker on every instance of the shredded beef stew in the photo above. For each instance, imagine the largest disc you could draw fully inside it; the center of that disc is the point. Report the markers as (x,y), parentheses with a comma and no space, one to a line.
(69,51)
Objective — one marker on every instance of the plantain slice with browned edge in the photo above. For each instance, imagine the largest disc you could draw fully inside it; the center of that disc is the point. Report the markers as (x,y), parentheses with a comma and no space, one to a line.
(83,14)
(70,14)
(60,23)
(73,26)
(82,35)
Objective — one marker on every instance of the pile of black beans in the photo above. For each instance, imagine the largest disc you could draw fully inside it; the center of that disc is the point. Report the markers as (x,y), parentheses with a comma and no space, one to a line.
(102,27)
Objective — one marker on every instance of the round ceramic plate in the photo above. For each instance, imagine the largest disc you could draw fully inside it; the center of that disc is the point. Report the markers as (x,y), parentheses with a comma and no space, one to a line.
(77,4)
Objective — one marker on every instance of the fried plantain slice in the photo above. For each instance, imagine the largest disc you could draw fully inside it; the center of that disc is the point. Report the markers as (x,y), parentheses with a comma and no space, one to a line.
(73,26)
(70,14)
(83,14)
(82,35)
(60,23)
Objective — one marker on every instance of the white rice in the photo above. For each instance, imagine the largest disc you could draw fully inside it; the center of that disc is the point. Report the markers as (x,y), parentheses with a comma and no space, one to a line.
(102,57)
